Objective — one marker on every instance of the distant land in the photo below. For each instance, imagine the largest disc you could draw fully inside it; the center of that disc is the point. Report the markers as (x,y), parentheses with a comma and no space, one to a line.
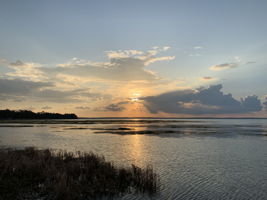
(172,118)
(27,114)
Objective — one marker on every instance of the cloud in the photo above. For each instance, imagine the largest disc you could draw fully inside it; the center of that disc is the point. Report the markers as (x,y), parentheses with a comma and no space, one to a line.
(29,70)
(251,103)
(70,81)
(123,53)
(18,89)
(156,59)
(207,78)
(250,62)
(224,66)
(30,81)
(164,48)
(116,106)
(17,63)
(58,96)
(123,65)
(21,87)
(201,101)
(46,108)
(230,65)
(52,95)
(4,61)
(82,108)
(120,69)
(265,103)
(198,47)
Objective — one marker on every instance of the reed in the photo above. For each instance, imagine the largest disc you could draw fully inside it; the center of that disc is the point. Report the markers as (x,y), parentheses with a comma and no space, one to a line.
(46,174)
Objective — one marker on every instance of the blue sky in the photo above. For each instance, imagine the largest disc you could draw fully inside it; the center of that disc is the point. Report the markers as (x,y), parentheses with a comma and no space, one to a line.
(199,35)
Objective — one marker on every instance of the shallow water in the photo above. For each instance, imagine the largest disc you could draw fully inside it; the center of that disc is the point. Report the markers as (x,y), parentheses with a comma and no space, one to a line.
(196,159)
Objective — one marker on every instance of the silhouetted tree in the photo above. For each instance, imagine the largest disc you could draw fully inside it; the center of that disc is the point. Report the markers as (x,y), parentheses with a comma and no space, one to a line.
(27,114)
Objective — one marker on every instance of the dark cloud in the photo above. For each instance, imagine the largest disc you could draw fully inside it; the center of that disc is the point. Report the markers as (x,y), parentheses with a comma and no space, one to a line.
(250,62)
(20,87)
(201,101)
(207,77)
(116,106)
(251,103)
(230,65)
(265,103)
(17,63)
(15,98)
(18,90)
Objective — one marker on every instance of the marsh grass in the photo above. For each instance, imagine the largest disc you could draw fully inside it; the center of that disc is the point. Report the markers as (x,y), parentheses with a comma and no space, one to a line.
(47,174)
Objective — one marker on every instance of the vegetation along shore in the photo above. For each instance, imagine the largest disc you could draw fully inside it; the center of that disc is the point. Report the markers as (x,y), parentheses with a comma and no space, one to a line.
(47,174)
(27,114)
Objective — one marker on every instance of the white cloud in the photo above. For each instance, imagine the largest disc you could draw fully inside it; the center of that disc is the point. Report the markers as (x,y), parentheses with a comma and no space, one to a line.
(70,81)
(164,48)
(28,70)
(123,53)
(223,66)
(198,47)
(123,65)
(156,59)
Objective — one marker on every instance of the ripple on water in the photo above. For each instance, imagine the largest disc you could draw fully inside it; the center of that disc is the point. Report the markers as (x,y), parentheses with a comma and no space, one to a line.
(208,159)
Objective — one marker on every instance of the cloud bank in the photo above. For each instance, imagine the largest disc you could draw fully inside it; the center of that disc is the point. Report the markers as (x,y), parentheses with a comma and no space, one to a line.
(18,89)
(201,101)
(21,87)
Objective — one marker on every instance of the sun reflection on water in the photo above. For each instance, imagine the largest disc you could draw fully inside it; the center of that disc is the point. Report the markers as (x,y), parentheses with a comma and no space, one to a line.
(135,149)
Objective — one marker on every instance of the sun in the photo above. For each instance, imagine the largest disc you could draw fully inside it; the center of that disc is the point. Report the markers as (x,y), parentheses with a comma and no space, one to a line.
(135,97)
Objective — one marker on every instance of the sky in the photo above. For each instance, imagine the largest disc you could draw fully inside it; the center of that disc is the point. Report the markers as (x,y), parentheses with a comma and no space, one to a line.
(120,58)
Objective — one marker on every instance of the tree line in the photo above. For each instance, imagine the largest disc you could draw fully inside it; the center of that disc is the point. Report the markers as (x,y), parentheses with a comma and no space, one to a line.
(27,114)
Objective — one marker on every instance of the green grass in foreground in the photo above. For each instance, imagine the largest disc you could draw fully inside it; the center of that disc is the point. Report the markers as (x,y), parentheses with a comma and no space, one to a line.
(46,174)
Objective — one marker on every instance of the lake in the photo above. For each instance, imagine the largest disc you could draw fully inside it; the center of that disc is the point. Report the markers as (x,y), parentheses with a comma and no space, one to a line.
(195,158)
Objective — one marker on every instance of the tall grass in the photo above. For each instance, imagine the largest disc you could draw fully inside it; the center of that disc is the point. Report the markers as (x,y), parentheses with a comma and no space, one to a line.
(47,174)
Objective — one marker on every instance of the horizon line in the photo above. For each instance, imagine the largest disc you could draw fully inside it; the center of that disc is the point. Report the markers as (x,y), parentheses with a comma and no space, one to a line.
(172,117)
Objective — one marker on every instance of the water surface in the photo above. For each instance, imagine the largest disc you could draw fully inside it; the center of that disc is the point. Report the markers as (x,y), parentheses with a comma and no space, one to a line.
(195,158)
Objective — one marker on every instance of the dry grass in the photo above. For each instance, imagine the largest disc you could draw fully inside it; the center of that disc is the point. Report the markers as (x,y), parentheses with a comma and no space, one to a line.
(46,174)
